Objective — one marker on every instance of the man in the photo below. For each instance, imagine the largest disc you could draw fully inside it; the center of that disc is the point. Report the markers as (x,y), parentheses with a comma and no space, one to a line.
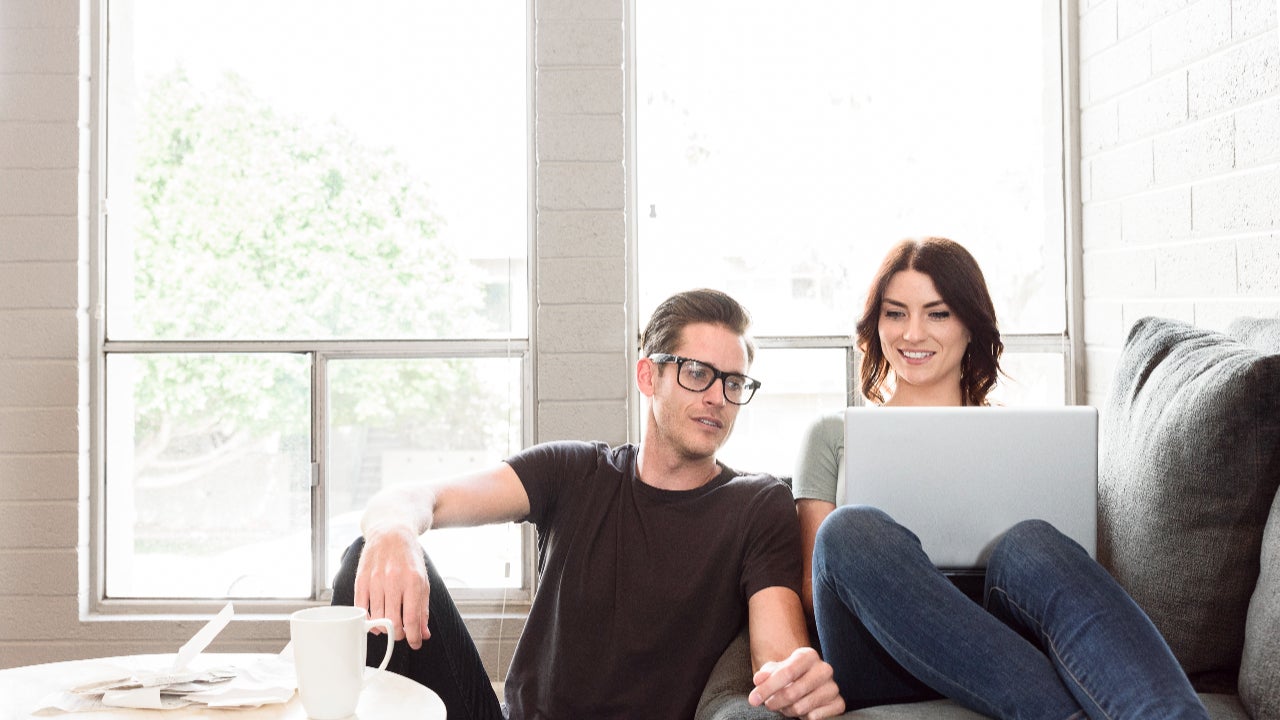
(650,556)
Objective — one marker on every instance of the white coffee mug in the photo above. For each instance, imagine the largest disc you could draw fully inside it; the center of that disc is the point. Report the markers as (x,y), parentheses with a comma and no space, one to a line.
(329,655)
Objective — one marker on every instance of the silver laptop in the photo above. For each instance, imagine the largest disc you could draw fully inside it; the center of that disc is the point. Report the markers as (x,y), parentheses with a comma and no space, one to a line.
(958,477)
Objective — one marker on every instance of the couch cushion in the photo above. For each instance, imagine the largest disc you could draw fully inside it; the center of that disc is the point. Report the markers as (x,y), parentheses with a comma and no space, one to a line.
(929,710)
(1262,334)
(1220,707)
(1260,666)
(725,697)
(1187,471)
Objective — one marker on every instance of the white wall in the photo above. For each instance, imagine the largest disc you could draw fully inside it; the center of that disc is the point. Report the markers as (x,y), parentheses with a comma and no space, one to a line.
(1180,168)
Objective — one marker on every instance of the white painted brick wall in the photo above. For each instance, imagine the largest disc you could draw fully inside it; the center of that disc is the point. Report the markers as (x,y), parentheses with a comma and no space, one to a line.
(1180,163)
(39,383)
(1117,68)
(1257,140)
(1102,319)
(1101,127)
(38,98)
(584,138)
(1098,27)
(1199,269)
(1190,34)
(30,145)
(580,42)
(581,234)
(1240,74)
(38,239)
(1123,171)
(1135,16)
(581,186)
(580,280)
(1244,201)
(1158,105)
(582,328)
(580,90)
(1258,266)
(38,192)
(578,419)
(566,377)
(1119,273)
(1201,149)
(40,395)
(1155,217)
(583,377)
(1252,17)
(1103,224)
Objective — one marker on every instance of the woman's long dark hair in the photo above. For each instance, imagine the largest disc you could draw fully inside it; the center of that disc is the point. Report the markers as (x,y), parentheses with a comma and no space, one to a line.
(959,281)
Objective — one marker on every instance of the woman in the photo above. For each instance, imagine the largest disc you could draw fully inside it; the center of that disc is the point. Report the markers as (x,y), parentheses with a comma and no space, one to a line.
(1057,638)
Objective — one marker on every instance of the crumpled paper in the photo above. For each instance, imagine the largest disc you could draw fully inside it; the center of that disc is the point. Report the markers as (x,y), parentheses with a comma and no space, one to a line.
(267,680)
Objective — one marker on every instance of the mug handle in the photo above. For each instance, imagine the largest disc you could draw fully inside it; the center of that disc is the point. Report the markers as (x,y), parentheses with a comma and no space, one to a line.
(390,630)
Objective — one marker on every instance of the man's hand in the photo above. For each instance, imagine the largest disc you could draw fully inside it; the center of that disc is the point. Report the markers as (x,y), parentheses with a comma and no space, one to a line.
(799,686)
(391,581)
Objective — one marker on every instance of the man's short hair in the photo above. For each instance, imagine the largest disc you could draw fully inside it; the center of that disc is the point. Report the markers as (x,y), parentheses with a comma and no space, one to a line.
(669,319)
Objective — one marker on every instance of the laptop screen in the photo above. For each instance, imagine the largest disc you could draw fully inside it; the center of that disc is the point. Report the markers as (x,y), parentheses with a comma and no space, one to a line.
(958,477)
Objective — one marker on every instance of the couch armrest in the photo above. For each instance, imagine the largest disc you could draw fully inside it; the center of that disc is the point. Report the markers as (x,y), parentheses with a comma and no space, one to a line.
(1259,680)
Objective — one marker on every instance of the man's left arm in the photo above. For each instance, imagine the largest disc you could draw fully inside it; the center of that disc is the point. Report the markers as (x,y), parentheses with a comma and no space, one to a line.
(790,678)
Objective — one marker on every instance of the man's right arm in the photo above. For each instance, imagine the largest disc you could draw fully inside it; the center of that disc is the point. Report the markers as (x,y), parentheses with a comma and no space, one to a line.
(391,579)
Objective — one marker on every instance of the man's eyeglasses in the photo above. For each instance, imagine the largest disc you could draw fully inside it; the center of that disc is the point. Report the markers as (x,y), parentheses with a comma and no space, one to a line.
(697,376)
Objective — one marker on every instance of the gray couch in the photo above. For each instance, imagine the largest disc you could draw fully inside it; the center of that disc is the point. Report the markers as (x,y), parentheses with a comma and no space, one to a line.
(1189,517)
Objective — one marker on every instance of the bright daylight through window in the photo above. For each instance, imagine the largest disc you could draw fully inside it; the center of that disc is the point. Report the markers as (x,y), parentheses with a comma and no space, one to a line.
(315,233)
(780,154)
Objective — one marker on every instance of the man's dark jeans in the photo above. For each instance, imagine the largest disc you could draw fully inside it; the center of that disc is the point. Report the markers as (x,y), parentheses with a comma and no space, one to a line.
(448,663)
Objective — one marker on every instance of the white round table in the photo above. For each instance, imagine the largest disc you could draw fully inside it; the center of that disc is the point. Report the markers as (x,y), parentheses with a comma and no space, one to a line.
(387,696)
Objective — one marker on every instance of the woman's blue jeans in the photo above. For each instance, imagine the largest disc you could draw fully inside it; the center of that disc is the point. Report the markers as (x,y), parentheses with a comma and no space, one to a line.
(1059,638)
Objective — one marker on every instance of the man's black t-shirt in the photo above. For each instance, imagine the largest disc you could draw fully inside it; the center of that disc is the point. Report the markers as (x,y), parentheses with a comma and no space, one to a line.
(641,589)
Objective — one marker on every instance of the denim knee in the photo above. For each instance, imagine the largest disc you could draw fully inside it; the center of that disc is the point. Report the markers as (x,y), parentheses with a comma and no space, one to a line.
(1031,541)
(855,540)
(1030,534)
(1034,557)
(854,522)
(852,526)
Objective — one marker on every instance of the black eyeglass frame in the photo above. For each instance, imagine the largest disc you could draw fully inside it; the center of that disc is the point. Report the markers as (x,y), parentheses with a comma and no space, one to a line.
(749,384)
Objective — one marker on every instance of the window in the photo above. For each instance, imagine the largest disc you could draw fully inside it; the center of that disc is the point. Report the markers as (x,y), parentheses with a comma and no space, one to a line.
(313,271)
(780,154)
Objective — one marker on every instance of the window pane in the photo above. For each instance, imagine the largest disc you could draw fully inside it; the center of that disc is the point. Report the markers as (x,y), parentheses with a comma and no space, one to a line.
(208,482)
(296,169)
(797,386)
(1031,379)
(406,420)
(779,155)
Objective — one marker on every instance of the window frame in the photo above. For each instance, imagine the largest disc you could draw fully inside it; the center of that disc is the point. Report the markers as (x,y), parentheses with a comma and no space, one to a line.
(1061,48)
(503,602)
(1014,343)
